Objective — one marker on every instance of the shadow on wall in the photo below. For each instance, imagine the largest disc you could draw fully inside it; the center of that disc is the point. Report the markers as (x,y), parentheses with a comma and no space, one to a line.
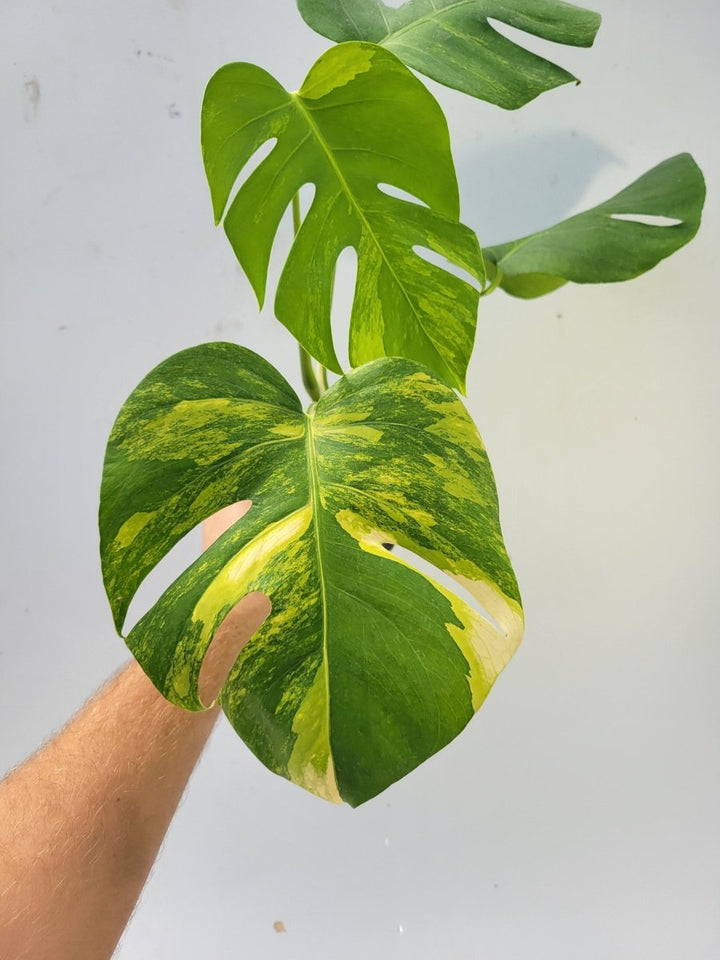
(507,191)
(514,188)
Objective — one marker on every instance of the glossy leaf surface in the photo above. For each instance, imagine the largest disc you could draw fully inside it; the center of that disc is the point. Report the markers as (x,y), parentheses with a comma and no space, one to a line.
(360,119)
(365,666)
(453,41)
(617,240)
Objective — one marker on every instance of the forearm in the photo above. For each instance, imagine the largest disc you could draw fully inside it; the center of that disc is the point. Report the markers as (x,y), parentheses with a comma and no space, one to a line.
(81,822)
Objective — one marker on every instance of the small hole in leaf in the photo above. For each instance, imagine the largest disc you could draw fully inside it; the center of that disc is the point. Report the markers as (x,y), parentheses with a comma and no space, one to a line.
(307,195)
(342,300)
(399,194)
(253,163)
(522,38)
(444,580)
(283,241)
(182,555)
(648,219)
(175,561)
(438,260)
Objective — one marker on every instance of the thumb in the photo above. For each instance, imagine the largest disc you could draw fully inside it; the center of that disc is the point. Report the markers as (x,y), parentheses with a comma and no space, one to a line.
(245,618)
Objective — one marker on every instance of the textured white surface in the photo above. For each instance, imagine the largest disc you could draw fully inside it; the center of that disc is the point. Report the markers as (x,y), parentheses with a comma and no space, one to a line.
(577,815)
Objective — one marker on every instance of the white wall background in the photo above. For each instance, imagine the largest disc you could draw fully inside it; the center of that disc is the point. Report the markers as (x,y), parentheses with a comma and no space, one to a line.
(577,815)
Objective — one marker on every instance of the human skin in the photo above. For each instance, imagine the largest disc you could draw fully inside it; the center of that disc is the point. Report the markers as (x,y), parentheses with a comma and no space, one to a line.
(82,820)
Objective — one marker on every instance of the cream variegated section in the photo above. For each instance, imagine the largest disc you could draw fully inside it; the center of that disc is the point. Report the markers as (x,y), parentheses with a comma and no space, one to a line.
(131,528)
(311,763)
(365,666)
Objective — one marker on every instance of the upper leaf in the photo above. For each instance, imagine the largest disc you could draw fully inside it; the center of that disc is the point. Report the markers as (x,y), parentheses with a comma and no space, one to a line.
(616,240)
(365,667)
(360,119)
(453,42)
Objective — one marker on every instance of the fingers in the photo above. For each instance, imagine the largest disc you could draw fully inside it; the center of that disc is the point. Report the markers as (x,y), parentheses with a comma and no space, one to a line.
(231,636)
(219,522)
(241,622)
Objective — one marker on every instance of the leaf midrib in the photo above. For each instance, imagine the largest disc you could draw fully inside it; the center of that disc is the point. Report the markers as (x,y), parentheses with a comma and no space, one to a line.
(586,215)
(315,505)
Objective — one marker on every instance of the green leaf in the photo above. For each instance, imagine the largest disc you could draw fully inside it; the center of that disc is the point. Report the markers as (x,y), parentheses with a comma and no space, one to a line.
(365,666)
(360,119)
(617,240)
(453,42)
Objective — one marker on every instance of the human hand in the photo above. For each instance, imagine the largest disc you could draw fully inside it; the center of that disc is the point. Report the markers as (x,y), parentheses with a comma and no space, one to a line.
(241,622)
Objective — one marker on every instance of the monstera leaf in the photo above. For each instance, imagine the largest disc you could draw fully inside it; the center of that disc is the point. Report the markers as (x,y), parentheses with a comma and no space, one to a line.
(617,240)
(365,666)
(453,42)
(361,119)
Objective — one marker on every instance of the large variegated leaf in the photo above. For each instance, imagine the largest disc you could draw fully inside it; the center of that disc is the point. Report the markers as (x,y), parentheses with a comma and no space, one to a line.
(360,119)
(453,42)
(365,666)
(617,240)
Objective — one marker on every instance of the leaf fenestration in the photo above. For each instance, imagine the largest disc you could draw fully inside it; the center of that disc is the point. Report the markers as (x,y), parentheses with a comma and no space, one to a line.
(617,240)
(359,120)
(365,666)
(453,41)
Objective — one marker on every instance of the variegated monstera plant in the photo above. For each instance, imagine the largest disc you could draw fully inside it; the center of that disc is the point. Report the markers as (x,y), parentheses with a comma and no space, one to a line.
(365,666)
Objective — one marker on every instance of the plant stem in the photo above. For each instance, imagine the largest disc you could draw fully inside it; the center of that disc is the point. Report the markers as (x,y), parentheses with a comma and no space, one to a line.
(310,381)
(322,377)
(314,380)
(496,280)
